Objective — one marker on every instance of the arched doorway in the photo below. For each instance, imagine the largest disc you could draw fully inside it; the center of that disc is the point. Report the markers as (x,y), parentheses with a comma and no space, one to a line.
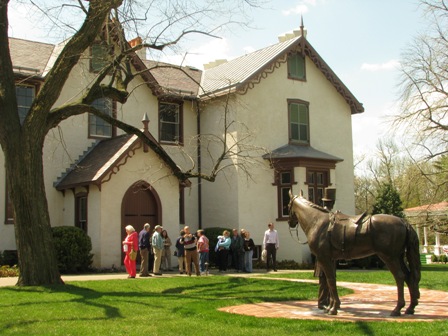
(140,205)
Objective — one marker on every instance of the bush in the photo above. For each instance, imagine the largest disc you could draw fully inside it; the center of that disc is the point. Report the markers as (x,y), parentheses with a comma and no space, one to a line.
(212,235)
(443,258)
(9,257)
(7,271)
(73,248)
(434,258)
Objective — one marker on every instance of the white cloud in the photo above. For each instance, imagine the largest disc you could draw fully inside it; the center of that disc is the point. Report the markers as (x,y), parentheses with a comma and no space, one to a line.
(301,8)
(390,65)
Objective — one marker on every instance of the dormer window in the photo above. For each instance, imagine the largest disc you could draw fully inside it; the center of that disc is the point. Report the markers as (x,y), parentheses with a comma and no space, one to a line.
(296,66)
(99,56)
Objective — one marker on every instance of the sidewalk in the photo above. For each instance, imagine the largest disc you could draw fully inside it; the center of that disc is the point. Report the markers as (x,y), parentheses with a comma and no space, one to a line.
(114,276)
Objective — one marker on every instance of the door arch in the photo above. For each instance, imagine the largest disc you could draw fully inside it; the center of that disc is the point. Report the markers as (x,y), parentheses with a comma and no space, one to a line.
(141,204)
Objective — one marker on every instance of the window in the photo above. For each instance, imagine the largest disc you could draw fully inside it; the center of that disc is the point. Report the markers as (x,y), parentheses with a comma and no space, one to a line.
(9,211)
(317,181)
(98,128)
(299,122)
(99,57)
(170,117)
(296,66)
(25,97)
(284,181)
(81,211)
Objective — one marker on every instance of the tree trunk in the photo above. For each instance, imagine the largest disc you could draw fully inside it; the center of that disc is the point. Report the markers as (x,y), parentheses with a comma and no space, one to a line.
(34,239)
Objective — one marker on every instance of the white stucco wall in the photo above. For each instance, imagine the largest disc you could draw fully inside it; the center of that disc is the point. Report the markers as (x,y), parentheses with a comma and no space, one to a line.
(252,203)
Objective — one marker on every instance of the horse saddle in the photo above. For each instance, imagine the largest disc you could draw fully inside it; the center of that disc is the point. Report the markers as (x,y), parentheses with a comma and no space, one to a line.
(344,229)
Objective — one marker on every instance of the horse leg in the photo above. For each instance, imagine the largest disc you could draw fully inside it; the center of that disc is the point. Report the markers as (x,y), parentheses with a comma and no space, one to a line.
(335,303)
(395,268)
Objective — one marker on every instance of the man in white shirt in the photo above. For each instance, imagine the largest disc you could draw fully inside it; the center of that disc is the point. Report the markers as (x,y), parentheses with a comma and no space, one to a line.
(271,245)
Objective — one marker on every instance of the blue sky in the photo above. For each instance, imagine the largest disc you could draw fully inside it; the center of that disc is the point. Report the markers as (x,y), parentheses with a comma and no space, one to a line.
(361,40)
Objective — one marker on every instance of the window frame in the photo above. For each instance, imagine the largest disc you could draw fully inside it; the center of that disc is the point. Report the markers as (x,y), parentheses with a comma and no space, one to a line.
(9,209)
(306,104)
(82,223)
(96,64)
(318,189)
(180,124)
(24,106)
(300,75)
(283,188)
(113,114)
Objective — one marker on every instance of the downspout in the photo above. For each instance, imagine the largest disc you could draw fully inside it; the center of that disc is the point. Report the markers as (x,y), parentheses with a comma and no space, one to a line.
(198,130)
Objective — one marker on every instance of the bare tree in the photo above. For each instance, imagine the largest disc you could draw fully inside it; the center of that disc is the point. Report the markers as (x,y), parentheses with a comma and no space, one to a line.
(22,143)
(424,96)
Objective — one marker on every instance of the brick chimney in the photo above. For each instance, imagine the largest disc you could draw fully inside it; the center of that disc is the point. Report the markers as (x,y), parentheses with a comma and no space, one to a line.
(135,42)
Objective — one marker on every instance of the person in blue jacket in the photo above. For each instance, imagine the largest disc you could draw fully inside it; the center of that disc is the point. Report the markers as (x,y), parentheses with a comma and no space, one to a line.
(223,246)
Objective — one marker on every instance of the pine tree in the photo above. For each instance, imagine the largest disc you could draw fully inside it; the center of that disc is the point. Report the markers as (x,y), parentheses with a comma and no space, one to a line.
(388,201)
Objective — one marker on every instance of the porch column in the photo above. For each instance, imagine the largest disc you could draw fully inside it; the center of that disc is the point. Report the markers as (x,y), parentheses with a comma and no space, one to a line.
(425,237)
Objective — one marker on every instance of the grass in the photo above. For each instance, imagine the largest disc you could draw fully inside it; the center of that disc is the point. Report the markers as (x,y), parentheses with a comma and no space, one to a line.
(186,306)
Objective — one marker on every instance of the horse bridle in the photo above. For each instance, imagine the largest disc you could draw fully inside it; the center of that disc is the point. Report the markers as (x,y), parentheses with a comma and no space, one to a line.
(296,227)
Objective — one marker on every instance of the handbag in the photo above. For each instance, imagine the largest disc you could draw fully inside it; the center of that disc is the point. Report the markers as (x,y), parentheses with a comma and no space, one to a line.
(133,254)
(264,255)
(175,253)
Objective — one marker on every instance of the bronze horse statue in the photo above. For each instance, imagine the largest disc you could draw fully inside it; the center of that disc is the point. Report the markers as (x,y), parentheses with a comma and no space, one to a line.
(335,236)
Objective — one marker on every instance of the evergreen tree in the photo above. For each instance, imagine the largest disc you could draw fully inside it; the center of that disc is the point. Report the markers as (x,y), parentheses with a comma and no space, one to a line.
(388,201)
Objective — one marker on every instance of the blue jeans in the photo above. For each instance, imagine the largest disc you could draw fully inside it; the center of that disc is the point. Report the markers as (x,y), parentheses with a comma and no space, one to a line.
(248,261)
(203,258)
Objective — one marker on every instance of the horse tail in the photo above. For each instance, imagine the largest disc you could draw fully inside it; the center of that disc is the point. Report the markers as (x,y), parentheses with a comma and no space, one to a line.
(413,256)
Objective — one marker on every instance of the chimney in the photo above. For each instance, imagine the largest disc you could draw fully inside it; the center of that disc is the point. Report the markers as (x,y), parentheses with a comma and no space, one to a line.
(288,36)
(141,52)
(214,64)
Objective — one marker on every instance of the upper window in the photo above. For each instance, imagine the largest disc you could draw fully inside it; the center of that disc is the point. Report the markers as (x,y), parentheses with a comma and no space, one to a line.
(98,128)
(296,66)
(299,127)
(170,117)
(99,57)
(25,97)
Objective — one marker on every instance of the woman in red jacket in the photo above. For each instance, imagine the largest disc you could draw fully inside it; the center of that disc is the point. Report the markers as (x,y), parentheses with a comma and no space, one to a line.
(130,242)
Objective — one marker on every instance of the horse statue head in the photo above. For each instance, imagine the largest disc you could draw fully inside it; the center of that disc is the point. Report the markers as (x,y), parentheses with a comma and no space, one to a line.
(293,220)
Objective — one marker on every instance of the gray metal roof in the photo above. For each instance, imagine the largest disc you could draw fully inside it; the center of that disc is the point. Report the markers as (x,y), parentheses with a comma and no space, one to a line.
(238,70)
(29,57)
(297,151)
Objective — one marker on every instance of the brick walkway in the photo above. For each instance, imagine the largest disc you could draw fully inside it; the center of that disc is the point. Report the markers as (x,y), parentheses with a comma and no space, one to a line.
(369,302)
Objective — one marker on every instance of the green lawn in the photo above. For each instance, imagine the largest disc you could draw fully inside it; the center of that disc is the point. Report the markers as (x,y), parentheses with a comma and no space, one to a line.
(186,306)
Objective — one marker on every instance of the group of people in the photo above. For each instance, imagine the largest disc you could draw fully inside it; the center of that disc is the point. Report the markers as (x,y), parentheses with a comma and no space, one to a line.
(240,247)
(192,250)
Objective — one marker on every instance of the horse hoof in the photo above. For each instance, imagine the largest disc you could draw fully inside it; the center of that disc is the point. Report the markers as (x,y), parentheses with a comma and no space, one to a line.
(409,311)
(333,312)
(395,313)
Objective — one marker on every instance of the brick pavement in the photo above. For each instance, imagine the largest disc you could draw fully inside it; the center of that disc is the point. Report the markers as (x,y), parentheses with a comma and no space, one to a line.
(369,302)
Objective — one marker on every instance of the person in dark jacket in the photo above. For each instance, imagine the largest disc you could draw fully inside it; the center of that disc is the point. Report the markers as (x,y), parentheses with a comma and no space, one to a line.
(143,244)
(237,251)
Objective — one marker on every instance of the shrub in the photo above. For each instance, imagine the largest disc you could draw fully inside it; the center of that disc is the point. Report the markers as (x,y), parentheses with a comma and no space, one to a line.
(443,258)
(434,258)
(9,257)
(212,235)
(7,271)
(73,248)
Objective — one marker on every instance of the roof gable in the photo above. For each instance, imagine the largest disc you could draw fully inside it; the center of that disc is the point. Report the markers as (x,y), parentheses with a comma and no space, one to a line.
(242,72)
(105,159)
